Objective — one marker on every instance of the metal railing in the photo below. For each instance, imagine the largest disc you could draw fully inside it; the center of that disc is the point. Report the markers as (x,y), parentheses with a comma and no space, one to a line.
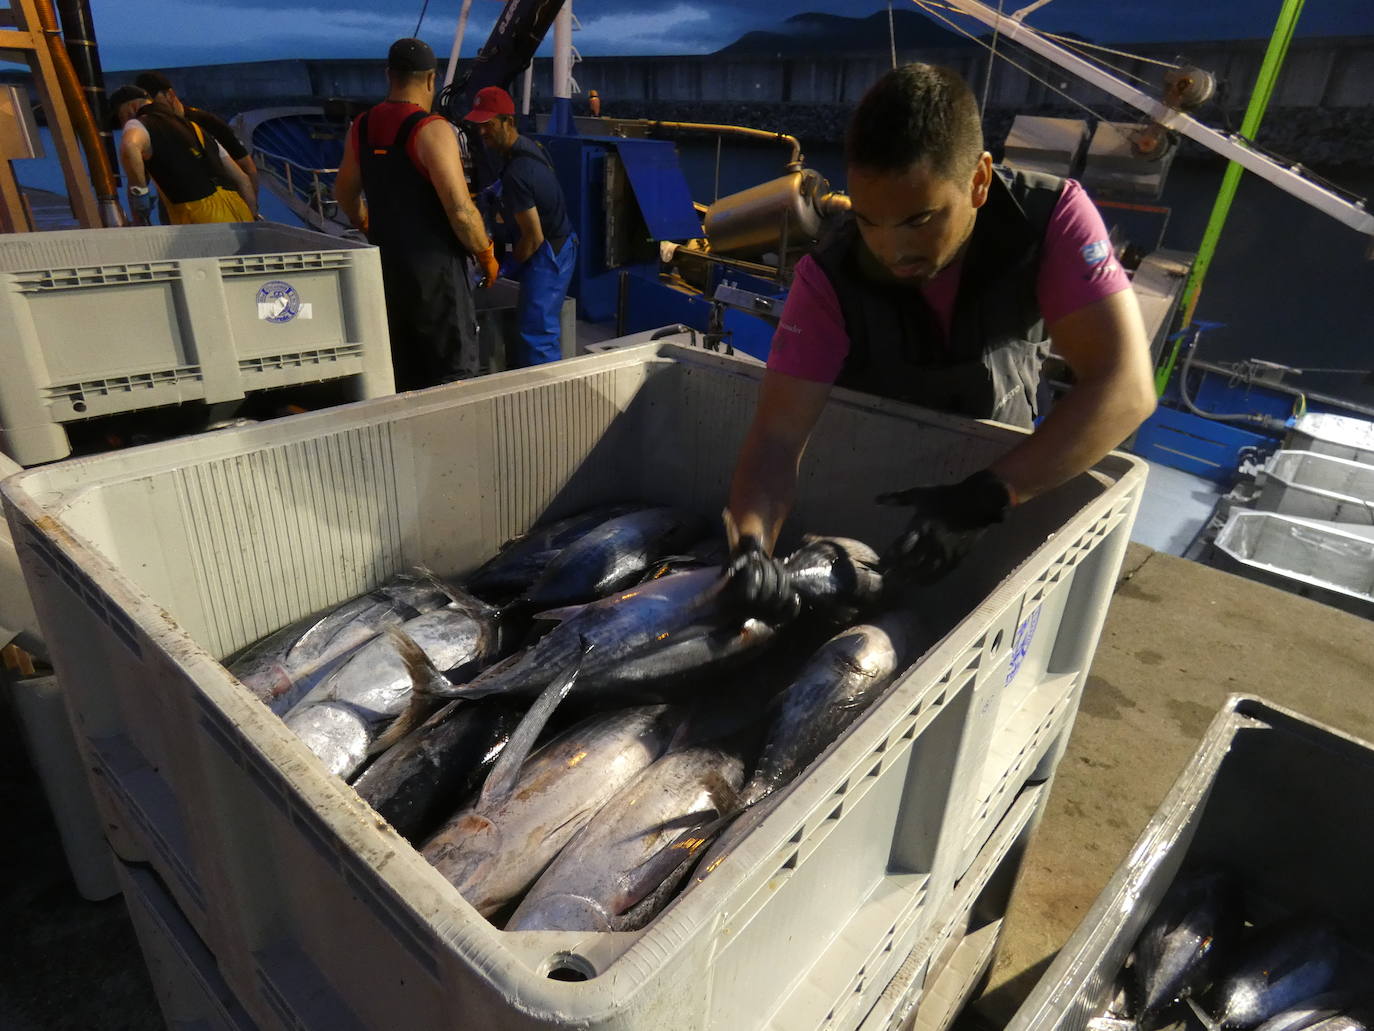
(308,186)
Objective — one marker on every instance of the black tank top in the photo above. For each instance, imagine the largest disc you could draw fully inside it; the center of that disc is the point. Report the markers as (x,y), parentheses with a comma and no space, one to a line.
(403,210)
(184,165)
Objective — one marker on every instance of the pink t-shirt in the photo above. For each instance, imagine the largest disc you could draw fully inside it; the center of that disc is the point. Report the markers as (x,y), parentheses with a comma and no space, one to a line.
(1077,268)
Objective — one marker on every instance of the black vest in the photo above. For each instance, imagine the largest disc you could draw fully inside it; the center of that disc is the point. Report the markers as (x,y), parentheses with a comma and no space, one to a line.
(404,212)
(990,366)
(185,165)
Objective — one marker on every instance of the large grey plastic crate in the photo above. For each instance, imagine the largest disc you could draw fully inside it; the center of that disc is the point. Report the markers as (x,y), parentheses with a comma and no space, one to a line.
(95,322)
(190,991)
(1330,562)
(1315,486)
(147,564)
(1264,790)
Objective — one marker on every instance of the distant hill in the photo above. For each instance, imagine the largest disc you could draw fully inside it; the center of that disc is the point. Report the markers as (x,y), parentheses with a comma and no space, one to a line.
(837,34)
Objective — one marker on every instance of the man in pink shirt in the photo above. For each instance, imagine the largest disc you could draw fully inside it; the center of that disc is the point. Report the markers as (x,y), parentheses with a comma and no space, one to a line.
(943,288)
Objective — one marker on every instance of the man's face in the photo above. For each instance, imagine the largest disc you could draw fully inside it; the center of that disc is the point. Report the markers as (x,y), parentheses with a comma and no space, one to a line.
(916,222)
(497,133)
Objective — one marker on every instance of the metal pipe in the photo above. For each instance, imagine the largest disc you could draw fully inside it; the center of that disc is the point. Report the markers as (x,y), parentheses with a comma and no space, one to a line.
(562,53)
(1283,388)
(794,161)
(97,160)
(78,32)
(673,250)
(457,43)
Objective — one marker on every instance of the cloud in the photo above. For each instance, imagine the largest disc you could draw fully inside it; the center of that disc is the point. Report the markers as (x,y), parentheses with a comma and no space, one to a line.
(680,29)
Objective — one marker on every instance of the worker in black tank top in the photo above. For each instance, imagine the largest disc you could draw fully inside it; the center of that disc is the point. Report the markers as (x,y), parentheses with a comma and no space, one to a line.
(407,165)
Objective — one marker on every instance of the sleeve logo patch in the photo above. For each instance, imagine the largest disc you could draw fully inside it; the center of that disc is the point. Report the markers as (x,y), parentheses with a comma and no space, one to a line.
(1097,253)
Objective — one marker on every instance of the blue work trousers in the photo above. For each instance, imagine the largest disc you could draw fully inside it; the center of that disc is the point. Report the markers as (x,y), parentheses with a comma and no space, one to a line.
(544,283)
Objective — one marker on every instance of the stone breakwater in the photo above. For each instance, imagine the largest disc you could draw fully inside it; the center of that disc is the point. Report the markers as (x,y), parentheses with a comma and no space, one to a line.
(1310,136)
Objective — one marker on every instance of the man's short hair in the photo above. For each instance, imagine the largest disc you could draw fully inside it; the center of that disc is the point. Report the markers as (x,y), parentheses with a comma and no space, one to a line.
(154,83)
(119,98)
(916,113)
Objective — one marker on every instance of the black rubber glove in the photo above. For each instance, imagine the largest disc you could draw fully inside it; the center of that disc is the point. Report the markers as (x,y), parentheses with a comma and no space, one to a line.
(945,524)
(759,584)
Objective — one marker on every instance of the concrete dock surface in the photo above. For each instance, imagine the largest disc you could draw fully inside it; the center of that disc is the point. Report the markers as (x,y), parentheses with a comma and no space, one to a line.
(1179,638)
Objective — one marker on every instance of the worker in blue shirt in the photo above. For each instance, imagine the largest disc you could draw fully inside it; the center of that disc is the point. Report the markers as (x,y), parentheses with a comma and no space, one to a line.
(546,249)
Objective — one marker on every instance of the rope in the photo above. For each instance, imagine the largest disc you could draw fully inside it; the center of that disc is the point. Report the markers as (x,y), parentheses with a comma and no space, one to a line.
(992,60)
(928,5)
(423,8)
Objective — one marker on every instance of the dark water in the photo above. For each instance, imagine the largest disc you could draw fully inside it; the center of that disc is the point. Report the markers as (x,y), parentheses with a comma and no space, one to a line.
(1289,284)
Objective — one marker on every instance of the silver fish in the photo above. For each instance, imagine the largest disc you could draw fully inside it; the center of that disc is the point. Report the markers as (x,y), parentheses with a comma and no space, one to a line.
(643,640)
(844,676)
(493,851)
(1313,1011)
(612,556)
(282,668)
(522,560)
(603,876)
(341,720)
(1282,965)
(835,571)
(1196,923)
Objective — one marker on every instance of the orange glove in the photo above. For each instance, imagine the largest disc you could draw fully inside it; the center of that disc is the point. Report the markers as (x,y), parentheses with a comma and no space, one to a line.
(486,258)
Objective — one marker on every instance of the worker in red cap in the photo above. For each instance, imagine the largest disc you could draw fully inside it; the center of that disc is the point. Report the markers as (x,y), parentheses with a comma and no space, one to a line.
(530,199)
(418,211)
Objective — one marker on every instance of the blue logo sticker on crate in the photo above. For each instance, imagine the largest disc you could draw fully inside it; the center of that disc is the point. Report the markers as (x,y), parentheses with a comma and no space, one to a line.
(279,302)
(1020,645)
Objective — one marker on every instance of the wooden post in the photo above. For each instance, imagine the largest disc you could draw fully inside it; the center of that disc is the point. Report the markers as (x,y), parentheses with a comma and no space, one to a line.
(28,39)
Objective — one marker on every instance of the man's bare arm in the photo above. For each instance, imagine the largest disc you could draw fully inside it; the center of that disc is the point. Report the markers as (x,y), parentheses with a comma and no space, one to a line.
(531,235)
(348,187)
(437,149)
(1105,346)
(250,169)
(242,184)
(135,148)
(765,480)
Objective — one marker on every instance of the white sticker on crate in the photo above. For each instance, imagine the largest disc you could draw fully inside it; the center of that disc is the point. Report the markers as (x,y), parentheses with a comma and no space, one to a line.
(279,302)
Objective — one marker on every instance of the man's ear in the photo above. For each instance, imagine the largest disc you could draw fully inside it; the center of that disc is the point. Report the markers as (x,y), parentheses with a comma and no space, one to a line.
(982,180)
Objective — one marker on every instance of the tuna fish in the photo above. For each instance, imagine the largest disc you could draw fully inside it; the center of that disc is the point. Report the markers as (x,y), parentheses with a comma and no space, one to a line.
(342,719)
(419,782)
(493,851)
(522,560)
(631,852)
(643,641)
(1310,1012)
(835,571)
(1197,922)
(282,668)
(1281,966)
(844,676)
(613,556)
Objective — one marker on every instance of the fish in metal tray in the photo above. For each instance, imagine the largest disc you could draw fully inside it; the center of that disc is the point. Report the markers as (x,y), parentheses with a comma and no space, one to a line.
(283,667)
(1196,923)
(1280,966)
(425,777)
(622,866)
(522,560)
(613,556)
(343,718)
(496,848)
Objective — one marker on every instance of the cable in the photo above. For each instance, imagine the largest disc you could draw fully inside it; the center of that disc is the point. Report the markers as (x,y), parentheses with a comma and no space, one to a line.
(927,5)
(992,60)
(423,8)
(1070,40)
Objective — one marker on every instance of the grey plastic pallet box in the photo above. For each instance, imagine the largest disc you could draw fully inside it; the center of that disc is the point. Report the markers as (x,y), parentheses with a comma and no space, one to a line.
(1265,788)
(147,565)
(102,321)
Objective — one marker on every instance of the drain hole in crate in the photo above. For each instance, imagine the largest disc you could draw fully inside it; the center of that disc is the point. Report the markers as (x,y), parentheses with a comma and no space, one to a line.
(568,966)
(997,642)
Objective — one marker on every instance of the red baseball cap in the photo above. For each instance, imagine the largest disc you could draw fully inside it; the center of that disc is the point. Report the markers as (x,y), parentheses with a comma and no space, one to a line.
(490,101)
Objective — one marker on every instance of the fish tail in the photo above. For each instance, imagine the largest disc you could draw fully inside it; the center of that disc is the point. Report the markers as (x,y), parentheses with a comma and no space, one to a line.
(417,711)
(459,598)
(425,680)
(503,776)
(1202,1015)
